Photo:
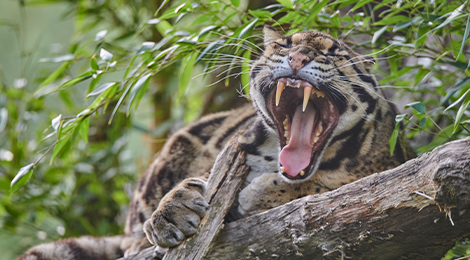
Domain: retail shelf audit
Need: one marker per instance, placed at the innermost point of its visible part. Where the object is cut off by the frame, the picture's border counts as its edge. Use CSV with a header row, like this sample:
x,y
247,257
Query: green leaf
x,y
313,13
100,35
56,122
465,35
209,48
76,80
392,20
94,81
185,73
459,115
393,138
130,66
235,3
458,100
401,25
245,77
441,138
83,130
141,84
106,55
286,3
101,89
161,6
61,144
453,16
360,4
53,76
66,57
118,105
378,33
21,177
94,64
247,29
418,106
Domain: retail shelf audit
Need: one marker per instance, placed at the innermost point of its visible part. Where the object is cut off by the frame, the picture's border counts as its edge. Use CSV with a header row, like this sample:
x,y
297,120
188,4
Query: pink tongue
x,y
296,155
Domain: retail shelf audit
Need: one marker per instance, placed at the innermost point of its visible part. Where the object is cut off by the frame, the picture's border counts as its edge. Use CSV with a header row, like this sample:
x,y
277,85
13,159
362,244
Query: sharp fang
x,y
307,92
282,169
280,88
302,173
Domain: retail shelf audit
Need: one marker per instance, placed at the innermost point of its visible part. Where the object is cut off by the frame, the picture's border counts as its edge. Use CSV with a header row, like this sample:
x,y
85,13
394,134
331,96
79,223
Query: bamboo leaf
x,y
458,100
247,29
76,80
418,106
286,3
61,144
393,138
465,35
101,89
392,20
360,4
106,55
83,130
185,73
235,3
21,177
314,12
245,76
94,64
459,115
53,76
378,33
141,84
56,122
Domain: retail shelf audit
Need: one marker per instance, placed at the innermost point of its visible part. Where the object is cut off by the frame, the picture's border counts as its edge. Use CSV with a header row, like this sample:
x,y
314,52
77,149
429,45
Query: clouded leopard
x,y
318,120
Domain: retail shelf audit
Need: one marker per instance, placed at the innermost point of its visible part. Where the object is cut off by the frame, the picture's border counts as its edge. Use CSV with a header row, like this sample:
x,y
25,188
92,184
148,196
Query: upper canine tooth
x,y
280,88
307,92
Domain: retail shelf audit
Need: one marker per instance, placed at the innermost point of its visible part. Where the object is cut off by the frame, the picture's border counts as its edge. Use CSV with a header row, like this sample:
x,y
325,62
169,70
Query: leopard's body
x,y
348,139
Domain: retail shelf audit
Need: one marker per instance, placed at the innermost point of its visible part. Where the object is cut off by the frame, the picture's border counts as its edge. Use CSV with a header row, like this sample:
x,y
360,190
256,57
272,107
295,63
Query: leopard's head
x,y
310,88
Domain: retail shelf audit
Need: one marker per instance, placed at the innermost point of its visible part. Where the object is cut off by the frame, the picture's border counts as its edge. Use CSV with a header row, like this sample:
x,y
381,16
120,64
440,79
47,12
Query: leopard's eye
x,y
281,45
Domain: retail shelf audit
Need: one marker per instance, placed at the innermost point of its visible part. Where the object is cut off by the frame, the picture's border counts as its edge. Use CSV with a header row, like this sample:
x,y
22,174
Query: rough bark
x,y
415,211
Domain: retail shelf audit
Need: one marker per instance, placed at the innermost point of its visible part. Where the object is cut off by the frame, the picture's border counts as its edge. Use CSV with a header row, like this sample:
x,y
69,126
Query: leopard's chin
x,y
305,118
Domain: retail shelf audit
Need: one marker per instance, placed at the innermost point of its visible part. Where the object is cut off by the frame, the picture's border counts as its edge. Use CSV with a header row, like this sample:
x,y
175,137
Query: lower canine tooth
x,y
282,169
302,173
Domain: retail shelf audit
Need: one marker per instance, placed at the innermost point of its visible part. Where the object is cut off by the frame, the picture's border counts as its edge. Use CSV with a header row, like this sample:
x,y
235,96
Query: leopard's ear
x,y
270,35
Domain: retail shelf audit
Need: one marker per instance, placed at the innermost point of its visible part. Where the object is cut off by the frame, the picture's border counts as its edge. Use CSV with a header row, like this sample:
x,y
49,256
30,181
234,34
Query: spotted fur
x,y
168,202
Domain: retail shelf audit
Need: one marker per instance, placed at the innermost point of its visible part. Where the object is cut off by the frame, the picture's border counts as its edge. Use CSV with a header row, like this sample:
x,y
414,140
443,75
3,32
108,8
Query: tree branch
x,y
386,215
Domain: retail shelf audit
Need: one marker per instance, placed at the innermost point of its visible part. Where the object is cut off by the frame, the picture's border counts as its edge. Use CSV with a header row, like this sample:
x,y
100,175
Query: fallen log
x,y
414,211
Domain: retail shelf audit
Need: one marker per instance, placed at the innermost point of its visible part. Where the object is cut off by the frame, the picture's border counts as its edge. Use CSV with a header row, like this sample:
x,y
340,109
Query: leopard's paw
x,y
178,215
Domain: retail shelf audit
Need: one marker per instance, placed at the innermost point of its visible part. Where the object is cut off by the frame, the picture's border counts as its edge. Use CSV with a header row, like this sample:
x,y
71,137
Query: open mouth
x,y
305,118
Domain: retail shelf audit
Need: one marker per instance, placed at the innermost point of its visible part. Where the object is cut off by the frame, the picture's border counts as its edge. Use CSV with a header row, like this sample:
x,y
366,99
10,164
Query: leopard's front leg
x,y
178,215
